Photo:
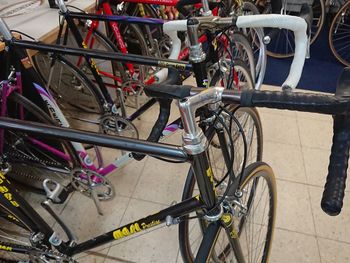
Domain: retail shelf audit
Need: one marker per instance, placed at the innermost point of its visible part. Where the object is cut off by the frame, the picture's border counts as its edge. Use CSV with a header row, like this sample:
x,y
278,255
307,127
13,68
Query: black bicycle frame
x,y
201,164
199,69
132,58
201,168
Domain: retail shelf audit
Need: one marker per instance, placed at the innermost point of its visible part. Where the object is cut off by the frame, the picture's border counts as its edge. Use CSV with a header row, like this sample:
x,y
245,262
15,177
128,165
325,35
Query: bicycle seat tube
x,y
195,144
62,6
206,9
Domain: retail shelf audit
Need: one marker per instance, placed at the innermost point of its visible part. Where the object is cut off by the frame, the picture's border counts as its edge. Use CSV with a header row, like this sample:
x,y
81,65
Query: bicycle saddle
x,y
168,89
164,91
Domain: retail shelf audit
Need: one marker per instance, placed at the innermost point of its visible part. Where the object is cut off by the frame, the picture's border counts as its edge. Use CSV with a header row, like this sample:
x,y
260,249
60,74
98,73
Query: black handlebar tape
x,y
159,125
333,194
326,104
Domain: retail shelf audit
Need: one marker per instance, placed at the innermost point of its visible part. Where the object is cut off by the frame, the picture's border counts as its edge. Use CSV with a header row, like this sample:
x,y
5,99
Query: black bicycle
x,y
88,154
224,203
225,218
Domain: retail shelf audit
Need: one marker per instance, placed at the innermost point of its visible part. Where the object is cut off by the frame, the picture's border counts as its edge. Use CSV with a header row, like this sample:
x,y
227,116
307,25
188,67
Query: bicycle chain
x,y
15,155
36,252
18,156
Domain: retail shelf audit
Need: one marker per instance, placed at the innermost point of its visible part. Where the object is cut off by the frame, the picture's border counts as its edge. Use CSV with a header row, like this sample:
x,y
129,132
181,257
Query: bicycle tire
x,y
274,48
242,50
152,34
10,232
338,37
254,174
223,78
30,163
132,86
245,82
252,35
73,91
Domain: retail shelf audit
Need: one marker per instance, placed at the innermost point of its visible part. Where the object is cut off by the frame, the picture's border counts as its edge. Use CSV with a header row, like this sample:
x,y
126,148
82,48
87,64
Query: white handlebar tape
x,y
294,23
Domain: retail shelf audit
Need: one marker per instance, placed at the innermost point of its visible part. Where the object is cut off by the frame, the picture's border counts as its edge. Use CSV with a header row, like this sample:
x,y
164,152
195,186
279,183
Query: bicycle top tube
x,y
155,2
122,143
119,19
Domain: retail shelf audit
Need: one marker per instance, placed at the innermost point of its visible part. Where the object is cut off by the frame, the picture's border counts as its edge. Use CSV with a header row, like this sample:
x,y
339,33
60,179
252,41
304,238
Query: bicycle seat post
x,y
197,55
206,9
62,6
4,30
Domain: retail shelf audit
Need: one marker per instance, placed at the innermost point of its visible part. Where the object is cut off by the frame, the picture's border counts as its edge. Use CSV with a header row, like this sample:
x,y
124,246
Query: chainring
x,y
119,126
80,181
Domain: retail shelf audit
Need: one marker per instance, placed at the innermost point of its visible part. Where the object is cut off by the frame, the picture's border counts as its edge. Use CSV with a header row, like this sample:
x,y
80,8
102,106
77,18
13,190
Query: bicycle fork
x,y
196,144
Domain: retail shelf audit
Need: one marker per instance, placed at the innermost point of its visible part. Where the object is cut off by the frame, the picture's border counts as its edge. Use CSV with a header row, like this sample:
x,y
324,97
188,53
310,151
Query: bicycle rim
x,y
239,49
282,40
256,226
17,234
339,35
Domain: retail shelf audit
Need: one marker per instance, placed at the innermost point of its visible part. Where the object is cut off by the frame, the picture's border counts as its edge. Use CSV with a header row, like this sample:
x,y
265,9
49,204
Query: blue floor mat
x,y
320,72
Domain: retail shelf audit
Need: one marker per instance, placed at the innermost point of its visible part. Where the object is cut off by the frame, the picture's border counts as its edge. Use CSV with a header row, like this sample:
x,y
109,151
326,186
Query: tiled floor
x,y
296,145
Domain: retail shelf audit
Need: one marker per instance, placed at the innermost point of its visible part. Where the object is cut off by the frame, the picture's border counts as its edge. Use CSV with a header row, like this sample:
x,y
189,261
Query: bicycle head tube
x,y
193,138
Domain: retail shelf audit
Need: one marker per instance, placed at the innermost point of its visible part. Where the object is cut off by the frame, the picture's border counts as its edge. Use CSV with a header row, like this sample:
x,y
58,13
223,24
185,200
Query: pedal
x,y
55,192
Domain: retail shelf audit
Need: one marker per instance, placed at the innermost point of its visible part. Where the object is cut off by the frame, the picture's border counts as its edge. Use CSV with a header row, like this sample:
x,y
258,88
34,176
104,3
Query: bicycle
x,y
71,75
225,214
204,8
98,169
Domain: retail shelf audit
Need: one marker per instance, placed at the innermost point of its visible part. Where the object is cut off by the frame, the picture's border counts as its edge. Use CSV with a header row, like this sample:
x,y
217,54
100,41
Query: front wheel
x,y
253,219
339,35
190,231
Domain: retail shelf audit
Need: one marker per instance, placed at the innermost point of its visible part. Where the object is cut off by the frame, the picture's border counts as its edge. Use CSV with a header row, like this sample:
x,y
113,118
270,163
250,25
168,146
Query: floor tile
x,y
334,251
138,209
293,208
84,219
294,247
161,182
286,161
332,227
279,128
313,116
278,112
35,201
315,133
159,244
125,179
154,246
93,256
316,165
